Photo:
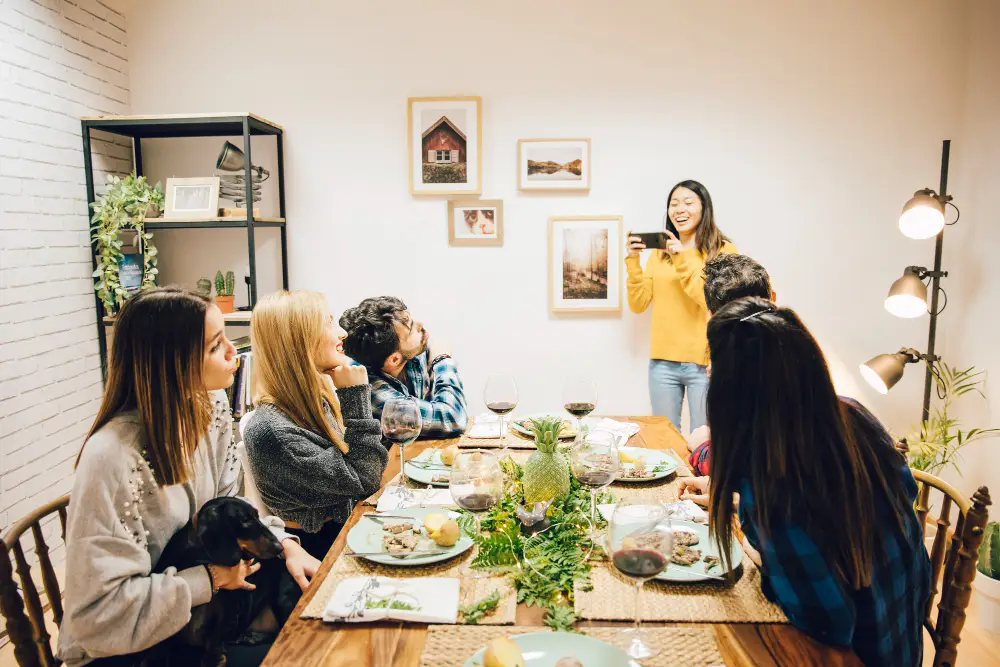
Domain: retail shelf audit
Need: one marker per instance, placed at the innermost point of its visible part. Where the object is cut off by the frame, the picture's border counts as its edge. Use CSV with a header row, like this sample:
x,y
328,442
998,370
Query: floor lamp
x,y
922,217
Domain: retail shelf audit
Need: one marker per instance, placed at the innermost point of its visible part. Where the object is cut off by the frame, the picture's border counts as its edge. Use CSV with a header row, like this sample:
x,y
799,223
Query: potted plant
x,y
988,579
224,288
204,287
124,206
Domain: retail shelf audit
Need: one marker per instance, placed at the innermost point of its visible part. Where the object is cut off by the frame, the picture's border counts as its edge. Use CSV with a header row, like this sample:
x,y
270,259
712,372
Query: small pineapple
x,y
546,472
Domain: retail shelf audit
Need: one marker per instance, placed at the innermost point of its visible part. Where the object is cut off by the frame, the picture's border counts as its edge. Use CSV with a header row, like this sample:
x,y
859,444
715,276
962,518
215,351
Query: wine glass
x,y
401,423
579,399
594,461
476,484
641,543
500,397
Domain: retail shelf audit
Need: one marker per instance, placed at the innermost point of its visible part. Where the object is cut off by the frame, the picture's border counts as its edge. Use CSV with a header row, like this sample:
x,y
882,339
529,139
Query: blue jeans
x,y
667,383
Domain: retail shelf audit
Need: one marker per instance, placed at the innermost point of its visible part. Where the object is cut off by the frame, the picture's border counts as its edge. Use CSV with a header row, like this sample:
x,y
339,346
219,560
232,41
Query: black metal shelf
x,y
194,125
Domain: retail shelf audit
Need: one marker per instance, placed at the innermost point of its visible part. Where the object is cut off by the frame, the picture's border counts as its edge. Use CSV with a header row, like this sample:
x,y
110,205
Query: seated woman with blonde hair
x,y
313,446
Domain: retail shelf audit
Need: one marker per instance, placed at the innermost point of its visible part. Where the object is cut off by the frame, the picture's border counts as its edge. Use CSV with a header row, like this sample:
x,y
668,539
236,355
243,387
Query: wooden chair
x,y
27,633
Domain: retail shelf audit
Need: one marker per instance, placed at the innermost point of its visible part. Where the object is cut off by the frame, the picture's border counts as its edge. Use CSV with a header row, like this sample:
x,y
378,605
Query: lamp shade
x,y
907,296
230,159
884,371
923,216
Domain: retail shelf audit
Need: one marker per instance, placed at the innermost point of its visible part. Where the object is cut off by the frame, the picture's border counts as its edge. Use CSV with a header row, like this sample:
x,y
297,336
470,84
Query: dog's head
x,y
230,530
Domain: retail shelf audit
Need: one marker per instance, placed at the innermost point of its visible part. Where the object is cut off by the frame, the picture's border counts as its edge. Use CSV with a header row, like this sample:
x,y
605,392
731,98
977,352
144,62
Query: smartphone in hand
x,y
654,240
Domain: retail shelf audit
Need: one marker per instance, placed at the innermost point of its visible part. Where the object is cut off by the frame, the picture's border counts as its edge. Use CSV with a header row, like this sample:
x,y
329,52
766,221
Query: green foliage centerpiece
x,y
545,566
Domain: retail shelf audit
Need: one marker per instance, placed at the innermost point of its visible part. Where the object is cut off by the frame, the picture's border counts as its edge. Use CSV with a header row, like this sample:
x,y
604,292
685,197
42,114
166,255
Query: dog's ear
x,y
215,532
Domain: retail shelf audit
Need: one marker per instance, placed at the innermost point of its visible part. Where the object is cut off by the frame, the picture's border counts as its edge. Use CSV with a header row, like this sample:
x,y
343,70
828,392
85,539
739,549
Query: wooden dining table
x,y
313,643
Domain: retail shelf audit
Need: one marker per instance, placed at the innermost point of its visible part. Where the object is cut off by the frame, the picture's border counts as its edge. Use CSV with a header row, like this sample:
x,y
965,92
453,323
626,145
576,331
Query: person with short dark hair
x,y
403,362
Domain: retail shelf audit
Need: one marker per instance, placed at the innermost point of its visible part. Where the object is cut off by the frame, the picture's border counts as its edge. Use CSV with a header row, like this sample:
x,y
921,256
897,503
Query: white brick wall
x,y
59,60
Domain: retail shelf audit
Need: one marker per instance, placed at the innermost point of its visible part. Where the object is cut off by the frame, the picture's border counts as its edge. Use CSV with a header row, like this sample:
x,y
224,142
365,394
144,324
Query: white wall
x,y
59,61
811,123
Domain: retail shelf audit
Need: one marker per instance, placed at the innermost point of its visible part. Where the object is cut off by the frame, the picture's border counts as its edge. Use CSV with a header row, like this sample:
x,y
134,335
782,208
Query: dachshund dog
x,y
224,532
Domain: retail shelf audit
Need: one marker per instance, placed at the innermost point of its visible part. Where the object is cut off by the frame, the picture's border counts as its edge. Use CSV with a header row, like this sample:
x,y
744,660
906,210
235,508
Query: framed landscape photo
x,y
445,142
585,271
192,197
553,165
475,222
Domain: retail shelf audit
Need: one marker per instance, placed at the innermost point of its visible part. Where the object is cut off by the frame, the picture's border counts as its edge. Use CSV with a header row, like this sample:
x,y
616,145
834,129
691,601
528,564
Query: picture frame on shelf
x,y
445,145
475,222
585,274
192,198
553,165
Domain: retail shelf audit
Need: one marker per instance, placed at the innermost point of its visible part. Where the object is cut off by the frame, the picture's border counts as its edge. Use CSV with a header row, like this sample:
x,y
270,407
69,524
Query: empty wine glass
x,y
579,399
641,543
594,461
401,423
500,397
476,484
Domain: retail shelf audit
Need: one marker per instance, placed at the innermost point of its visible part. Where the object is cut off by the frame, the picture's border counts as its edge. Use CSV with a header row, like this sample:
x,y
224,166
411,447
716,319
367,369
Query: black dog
x,y
224,532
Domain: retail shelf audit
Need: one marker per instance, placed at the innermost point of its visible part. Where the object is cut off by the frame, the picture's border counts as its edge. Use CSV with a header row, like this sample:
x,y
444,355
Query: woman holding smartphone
x,y
674,284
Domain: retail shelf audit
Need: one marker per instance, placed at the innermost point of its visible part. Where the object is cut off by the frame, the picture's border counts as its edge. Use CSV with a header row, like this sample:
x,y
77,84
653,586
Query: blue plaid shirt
x,y
882,623
439,395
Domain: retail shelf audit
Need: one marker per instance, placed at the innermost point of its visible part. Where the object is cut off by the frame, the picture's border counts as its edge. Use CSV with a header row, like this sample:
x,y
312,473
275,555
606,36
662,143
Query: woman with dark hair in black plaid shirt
x,y
824,496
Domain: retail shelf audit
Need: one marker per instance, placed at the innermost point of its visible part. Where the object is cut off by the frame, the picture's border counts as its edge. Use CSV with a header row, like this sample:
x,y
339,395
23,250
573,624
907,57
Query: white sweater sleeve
x,y
109,583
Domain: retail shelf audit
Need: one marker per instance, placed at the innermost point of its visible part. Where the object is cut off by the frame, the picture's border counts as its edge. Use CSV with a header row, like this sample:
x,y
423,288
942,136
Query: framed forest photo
x,y
445,140
585,271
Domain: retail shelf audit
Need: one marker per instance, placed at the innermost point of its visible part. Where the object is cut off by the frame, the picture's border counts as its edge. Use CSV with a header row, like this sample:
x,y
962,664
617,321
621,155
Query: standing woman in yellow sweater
x,y
674,283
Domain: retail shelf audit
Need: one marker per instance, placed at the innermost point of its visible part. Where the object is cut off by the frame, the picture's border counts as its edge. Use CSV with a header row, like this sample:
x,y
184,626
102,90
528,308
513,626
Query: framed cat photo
x,y
445,145
475,222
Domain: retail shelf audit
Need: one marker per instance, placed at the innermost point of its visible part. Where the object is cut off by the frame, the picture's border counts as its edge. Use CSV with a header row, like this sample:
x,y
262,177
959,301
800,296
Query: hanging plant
x,y
124,206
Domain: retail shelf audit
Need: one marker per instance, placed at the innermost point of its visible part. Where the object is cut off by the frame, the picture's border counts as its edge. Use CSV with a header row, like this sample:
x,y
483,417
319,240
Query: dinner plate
x,y
544,649
658,462
366,536
429,457
520,425
697,571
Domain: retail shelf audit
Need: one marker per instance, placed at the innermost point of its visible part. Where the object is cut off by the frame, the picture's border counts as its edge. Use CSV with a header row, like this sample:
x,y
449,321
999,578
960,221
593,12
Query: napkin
x,y
435,599
624,430
485,426
398,497
681,510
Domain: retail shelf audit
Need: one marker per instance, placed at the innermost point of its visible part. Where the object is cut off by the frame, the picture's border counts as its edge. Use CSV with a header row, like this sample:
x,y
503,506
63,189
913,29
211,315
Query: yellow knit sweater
x,y
676,288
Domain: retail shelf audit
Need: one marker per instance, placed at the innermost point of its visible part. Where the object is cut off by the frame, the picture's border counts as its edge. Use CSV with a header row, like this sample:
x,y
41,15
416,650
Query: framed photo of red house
x,y
445,142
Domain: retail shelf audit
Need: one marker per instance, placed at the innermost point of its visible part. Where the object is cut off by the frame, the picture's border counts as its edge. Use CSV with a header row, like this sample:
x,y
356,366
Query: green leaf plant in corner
x,y
936,443
122,207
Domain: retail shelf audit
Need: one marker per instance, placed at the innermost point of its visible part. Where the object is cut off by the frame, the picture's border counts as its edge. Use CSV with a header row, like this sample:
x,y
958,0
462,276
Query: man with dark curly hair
x,y
402,362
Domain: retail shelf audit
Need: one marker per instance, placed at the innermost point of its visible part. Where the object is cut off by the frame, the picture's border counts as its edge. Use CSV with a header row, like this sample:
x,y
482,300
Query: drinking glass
x,y
476,484
401,423
579,399
500,397
641,542
594,461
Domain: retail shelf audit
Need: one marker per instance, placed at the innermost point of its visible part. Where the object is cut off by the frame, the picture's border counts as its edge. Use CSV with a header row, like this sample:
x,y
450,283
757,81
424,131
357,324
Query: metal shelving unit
x,y
138,128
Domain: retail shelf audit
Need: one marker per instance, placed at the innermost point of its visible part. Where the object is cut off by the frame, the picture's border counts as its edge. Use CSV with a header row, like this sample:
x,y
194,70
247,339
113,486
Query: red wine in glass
x,y
580,410
401,435
596,478
639,563
476,502
501,407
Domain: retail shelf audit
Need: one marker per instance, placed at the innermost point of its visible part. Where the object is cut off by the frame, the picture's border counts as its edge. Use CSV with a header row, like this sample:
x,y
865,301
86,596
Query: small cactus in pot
x,y
204,287
224,287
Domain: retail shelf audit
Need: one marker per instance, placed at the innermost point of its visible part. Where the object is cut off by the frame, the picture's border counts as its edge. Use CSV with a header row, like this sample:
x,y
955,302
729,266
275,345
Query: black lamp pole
x,y
936,282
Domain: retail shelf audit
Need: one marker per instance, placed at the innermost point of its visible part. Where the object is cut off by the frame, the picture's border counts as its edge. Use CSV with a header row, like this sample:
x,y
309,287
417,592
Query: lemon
x,y
503,652
625,457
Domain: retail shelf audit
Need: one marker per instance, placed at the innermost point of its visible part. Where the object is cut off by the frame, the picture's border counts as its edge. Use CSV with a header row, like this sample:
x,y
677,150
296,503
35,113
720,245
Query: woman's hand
x,y
635,246
235,577
348,376
674,246
301,565
695,489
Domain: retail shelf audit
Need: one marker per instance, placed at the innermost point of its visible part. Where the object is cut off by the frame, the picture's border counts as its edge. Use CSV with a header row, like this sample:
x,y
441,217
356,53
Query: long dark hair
x,y
157,351
808,457
707,238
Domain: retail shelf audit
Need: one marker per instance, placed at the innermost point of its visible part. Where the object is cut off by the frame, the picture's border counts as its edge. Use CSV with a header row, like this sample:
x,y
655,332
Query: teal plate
x,y
697,571
654,458
429,457
544,649
366,535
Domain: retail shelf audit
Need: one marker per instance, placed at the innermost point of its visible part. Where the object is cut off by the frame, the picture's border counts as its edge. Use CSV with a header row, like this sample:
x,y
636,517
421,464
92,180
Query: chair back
x,y
250,490
32,643
953,553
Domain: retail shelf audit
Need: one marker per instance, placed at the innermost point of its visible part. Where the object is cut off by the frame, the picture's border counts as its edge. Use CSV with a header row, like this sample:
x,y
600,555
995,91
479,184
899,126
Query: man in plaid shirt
x,y
402,363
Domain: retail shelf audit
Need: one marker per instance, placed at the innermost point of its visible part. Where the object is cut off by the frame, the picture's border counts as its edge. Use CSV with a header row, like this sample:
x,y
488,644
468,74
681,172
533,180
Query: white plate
x,y
426,475
568,432
697,571
544,649
366,535
654,458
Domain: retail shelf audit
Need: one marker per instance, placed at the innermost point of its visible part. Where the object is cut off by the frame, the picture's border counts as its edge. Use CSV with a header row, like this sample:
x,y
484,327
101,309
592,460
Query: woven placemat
x,y
470,590
613,597
451,645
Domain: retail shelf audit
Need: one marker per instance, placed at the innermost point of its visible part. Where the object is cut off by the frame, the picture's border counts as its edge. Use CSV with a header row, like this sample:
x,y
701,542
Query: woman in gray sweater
x,y
314,448
160,447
